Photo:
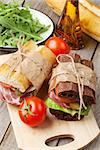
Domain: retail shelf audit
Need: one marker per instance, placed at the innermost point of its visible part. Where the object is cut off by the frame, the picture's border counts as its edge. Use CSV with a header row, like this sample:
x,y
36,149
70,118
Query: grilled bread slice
x,y
15,79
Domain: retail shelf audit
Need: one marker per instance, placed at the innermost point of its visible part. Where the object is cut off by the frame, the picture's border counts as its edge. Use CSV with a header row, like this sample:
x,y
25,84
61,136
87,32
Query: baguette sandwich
x,y
24,72
72,88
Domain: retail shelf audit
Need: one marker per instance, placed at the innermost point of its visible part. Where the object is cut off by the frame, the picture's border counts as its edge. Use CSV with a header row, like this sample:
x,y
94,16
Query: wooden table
x,y
91,51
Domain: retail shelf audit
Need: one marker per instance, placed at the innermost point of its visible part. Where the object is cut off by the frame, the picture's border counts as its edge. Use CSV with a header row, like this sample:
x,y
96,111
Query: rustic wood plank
x,y
96,109
9,141
89,48
4,120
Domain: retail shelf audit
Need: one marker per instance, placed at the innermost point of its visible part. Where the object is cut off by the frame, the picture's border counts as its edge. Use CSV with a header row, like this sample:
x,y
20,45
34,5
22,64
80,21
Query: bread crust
x,y
64,116
19,77
14,78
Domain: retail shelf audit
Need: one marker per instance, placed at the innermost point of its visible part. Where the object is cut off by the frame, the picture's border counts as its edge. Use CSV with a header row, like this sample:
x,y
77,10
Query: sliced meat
x,y
77,59
64,58
64,102
8,95
87,63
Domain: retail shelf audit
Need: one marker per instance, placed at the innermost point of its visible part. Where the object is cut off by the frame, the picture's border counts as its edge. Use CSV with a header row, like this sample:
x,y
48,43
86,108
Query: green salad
x,y
16,22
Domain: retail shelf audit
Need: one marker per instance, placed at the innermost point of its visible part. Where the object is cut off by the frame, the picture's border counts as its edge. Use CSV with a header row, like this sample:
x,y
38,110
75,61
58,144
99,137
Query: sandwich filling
x,y
68,110
12,95
8,94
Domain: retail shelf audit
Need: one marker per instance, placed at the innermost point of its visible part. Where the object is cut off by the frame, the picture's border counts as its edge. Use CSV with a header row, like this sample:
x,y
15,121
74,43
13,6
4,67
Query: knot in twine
x,y
79,81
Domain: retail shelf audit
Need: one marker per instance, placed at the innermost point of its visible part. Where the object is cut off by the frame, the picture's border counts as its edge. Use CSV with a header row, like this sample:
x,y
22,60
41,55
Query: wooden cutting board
x,y
83,132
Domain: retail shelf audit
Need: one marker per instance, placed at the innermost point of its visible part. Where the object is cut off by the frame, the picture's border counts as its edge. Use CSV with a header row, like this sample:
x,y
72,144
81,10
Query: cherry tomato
x,y
32,111
57,45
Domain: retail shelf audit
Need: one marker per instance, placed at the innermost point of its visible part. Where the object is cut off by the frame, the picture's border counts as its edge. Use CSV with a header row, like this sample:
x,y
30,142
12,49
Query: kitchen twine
x,y
79,81
19,56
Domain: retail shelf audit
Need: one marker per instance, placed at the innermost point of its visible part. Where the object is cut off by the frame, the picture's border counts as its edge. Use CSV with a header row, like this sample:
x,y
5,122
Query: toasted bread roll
x,y
31,66
15,79
38,68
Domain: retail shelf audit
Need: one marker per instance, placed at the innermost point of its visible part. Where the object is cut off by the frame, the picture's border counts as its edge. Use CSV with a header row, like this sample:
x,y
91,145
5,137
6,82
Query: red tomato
x,y
57,45
32,111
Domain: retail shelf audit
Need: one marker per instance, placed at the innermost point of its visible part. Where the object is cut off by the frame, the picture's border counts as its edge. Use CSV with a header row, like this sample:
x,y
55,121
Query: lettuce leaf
x,y
51,104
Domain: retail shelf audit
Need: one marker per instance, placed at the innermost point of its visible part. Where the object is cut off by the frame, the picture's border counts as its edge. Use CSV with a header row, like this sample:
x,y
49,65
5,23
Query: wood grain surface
x,y
4,120
92,50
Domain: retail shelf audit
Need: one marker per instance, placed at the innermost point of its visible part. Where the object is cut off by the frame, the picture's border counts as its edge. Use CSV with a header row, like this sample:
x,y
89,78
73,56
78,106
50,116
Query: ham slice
x,y
64,102
8,95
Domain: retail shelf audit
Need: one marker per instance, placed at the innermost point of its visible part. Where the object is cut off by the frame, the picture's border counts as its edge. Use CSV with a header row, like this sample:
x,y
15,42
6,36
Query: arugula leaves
x,y
15,22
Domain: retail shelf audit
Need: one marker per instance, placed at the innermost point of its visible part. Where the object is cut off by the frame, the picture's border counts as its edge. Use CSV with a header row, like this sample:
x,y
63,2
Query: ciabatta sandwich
x,y
24,72
72,88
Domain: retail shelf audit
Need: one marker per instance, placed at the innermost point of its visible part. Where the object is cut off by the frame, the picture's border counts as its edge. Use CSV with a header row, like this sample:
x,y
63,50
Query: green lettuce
x,y
51,104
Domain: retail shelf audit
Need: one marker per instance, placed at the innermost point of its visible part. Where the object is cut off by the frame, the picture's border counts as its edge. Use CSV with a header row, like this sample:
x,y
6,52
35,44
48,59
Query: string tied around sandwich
x,y
79,81
20,55
20,61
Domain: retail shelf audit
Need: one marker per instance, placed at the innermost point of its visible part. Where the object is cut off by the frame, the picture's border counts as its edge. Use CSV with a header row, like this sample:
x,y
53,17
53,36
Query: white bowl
x,y
44,19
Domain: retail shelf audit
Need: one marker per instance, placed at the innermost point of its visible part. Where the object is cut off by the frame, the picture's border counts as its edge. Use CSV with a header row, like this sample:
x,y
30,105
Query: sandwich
x,y
24,72
71,88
